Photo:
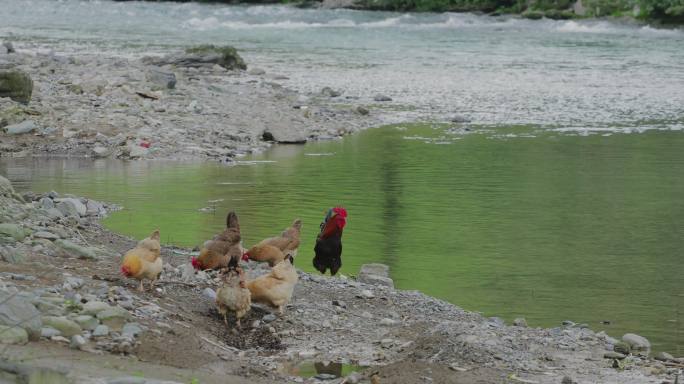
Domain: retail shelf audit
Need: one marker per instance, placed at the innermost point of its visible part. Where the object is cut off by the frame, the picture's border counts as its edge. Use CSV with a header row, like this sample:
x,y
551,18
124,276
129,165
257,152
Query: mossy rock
x,y
622,347
16,85
228,56
533,14
556,14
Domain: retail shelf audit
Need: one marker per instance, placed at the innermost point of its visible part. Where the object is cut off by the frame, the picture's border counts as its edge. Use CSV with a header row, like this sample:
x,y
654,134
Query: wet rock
x,y
26,126
17,310
361,110
13,335
75,250
100,331
329,92
636,342
13,230
165,79
381,97
49,332
65,326
77,342
567,380
87,322
17,85
520,322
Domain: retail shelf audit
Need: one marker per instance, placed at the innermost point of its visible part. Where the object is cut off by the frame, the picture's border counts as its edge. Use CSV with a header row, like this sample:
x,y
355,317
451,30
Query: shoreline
x,y
111,107
67,267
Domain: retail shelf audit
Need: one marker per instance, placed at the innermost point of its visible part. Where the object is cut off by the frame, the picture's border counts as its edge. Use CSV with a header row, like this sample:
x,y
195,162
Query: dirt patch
x,y
412,371
245,337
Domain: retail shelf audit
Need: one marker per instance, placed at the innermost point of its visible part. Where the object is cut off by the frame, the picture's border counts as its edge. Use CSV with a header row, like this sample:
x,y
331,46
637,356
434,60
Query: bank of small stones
x,y
362,321
198,104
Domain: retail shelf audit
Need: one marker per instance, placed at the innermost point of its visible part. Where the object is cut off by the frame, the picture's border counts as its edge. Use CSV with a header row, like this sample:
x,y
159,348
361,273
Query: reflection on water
x,y
550,227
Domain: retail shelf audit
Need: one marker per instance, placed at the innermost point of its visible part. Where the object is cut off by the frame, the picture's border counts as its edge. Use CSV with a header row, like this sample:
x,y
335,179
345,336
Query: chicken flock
x,y
224,253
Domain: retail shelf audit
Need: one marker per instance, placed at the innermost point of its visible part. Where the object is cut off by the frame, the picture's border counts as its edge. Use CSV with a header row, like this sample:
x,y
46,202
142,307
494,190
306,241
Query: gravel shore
x,y
60,275
107,106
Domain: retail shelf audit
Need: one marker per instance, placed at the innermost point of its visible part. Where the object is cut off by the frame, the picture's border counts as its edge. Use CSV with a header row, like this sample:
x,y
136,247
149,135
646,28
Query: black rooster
x,y
329,241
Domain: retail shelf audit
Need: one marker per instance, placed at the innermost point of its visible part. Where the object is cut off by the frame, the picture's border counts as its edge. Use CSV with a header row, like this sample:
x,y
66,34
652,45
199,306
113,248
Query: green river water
x,y
509,222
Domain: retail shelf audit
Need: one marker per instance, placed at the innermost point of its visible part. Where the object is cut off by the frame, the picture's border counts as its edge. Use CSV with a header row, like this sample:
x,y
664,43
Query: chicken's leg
x,y
141,289
225,318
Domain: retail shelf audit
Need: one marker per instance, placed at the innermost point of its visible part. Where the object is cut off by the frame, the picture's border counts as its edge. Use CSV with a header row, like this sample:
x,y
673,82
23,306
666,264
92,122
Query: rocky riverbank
x,y
61,295
198,104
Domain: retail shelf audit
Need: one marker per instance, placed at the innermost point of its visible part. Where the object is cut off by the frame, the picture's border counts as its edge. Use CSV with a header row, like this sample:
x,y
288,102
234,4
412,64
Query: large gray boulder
x,y
203,56
17,311
376,274
17,85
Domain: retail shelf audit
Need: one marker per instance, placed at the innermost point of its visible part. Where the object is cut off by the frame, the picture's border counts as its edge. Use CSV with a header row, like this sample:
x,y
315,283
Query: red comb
x,y
340,211
196,263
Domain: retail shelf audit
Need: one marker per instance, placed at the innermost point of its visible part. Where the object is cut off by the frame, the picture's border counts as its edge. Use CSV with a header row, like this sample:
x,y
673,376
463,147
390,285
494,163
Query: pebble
x,y
60,339
664,356
381,97
49,332
101,330
131,330
77,342
366,294
268,318
209,293
614,355
388,322
636,342
307,354
520,322
45,235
